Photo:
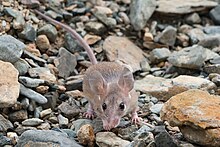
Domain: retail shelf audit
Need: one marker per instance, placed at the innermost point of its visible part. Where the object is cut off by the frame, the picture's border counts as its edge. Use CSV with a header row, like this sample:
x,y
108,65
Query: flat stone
x,y
69,110
163,89
212,30
32,122
30,82
122,49
190,57
18,116
9,86
65,63
159,54
95,27
5,124
11,49
22,66
28,33
144,7
31,94
43,73
46,138
196,35
110,139
183,7
196,113
214,14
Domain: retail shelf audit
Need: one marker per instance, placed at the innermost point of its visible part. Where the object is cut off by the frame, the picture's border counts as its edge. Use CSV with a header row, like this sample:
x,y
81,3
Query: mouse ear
x,y
97,83
126,81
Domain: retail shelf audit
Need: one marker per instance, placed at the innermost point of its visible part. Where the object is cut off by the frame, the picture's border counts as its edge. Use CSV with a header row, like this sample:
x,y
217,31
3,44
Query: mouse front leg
x,y
134,117
90,112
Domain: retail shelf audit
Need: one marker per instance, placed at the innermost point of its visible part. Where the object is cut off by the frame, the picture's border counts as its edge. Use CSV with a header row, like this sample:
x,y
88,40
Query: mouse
x,y
108,86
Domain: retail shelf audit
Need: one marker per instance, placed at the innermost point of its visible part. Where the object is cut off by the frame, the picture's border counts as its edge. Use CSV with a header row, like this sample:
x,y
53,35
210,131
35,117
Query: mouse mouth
x,y
112,123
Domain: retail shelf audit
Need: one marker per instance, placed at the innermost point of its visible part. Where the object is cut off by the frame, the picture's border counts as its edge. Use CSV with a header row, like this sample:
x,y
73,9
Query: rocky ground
x,y
173,47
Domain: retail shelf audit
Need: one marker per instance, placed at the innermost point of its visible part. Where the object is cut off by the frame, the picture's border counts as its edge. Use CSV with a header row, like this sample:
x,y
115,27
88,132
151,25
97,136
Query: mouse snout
x,y
108,124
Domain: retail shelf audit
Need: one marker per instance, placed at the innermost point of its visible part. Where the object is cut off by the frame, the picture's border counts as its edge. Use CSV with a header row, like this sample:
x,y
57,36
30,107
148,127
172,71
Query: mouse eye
x,y
104,106
122,106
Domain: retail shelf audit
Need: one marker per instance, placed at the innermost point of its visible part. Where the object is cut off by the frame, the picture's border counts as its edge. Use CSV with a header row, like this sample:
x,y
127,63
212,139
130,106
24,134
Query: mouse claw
x,y
89,114
135,119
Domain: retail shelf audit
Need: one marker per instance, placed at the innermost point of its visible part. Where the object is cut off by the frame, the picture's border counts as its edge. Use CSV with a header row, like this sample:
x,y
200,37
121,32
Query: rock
x,y
156,108
29,93
92,39
159,54
48,30
13,137
74,83
32,122
39,60
167,36
18,116
11,49
5,124
9,86
19,22
28,33
22,66
4,141
86,135
54,15
95,27
43,73
30,82
212,30
77,124
143,139
196,35
163,89
193,18
196,113
11,12
214,14
144,7
65,63
145,66
68,110
63,121
210,41
103,10
72,44
108,21
164,139
122,49
182,40
45,112
42,43
190,57
124,18
110,139
46,138
42,89
173,7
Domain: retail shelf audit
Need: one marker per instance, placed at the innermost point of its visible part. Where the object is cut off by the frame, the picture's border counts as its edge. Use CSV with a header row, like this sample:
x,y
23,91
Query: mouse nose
x,y
112,123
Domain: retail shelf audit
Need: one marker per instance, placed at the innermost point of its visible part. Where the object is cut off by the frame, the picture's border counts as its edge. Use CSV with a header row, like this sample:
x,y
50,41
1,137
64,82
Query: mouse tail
x,y
73,33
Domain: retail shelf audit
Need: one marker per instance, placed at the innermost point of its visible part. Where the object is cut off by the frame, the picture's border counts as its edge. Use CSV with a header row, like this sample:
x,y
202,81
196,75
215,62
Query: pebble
x,y
95,27
156,108
32,122
86,135
214,14
32,95
68,110
45,112
167,36
22,66
5,124
18,116
193,18
42,43
48,30
30,82
28,33
159,54
63,121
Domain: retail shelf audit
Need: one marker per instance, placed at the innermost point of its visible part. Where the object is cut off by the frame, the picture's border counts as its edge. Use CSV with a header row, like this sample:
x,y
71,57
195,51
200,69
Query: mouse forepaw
x,y
89,114
135,119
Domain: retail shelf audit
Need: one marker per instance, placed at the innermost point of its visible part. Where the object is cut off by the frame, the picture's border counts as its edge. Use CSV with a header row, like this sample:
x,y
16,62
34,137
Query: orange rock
x,y
86,135
197,114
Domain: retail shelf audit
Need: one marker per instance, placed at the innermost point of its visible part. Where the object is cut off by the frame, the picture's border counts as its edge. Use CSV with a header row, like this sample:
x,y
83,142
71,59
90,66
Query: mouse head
x,y
113,97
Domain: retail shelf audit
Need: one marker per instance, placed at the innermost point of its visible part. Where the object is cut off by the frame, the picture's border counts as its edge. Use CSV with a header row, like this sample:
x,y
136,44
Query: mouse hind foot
x,y
135,119
89,113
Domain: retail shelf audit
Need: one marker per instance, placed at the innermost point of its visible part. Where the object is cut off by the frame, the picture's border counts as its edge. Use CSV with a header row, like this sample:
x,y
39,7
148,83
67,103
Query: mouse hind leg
x,y
90,112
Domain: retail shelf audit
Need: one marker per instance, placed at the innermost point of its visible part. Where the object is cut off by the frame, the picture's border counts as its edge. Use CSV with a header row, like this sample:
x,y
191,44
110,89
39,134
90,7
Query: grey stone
x,y
80,122
193,18
68,110
63,121
43,73
28,33
9,86
212,68
210,41
54,15
164,139
196,35
5,124
95,27
65,63
29,93
4,141
159,54
19,22
11,12
156,108
40,61
18,116
190,57
214,14
32,122
167,36
30,82
145,66
109,22
11,49
144,139
140,12
212,30
48,30
46,138
71,44
22,66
